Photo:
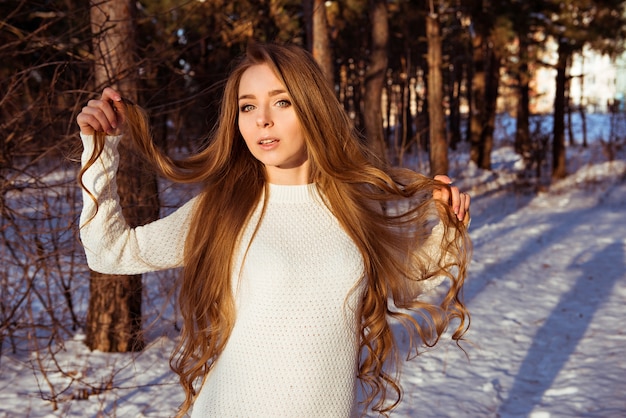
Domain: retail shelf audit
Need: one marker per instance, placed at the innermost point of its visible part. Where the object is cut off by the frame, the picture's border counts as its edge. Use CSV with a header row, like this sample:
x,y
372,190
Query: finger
x,y
467,219
463,206
102,116
115,99
455,201
86,123
468,200
93,119
442,194
108,111
443,178
111,95
98,116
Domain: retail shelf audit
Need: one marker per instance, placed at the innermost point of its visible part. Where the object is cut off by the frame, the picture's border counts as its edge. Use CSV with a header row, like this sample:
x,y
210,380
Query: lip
x,y
268,143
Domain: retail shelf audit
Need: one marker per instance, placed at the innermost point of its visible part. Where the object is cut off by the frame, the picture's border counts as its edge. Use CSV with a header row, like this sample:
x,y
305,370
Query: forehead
x,y
259,78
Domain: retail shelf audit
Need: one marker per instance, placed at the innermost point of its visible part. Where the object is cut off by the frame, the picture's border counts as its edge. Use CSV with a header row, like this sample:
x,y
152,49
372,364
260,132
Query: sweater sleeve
x,y
111,246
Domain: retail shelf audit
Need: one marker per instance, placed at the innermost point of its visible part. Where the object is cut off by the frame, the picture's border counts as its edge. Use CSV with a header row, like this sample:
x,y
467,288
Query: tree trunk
x,y
583,121
407,117
559,169
581,101
456,80
470,102
321,42
568,113
491,101
479,88
437,128
522,129
114,314
375,78
307,17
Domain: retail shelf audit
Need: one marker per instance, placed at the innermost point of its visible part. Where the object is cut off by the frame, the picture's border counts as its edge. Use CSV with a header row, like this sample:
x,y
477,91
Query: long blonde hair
x,y
387,212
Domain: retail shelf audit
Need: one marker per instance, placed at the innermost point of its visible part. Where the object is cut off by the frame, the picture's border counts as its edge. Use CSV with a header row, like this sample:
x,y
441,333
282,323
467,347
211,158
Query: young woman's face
x,y
270,126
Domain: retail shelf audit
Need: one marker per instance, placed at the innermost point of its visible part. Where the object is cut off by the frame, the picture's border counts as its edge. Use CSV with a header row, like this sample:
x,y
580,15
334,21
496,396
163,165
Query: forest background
x,y
418,78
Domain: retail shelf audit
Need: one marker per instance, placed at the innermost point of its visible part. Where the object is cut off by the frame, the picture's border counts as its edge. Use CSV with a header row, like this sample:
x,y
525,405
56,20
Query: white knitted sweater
x,y
293,351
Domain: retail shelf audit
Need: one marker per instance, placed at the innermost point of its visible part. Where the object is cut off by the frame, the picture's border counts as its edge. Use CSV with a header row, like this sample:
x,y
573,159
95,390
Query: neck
x,y
288,176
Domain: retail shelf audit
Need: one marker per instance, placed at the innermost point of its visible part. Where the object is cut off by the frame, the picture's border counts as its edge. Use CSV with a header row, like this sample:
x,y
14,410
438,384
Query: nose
x,y
264,119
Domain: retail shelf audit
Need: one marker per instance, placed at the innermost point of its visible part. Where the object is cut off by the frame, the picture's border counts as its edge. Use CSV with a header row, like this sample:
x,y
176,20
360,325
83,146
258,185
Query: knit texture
x,y
293,351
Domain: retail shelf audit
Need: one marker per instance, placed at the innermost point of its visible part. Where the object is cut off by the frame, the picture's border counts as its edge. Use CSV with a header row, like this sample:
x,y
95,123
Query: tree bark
x,y
307,15
491,100
583,121
407,117
568,113
114,313
437,128
375,78
456,80
522,129
559,169
321,41
581,100
114,316
477,118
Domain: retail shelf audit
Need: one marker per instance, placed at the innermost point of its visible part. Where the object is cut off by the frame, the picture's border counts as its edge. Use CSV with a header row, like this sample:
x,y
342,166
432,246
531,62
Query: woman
x,y
295,255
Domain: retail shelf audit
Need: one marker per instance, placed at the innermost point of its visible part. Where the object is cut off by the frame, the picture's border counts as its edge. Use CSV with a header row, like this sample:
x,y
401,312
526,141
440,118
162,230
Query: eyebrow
x,y
271,93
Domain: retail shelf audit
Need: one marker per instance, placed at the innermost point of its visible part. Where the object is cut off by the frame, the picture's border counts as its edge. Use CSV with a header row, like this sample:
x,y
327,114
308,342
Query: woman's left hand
x,y
459,201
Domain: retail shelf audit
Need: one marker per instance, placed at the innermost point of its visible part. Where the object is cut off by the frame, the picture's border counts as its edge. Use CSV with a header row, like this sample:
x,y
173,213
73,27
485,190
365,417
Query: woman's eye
x,y
246,108
283,103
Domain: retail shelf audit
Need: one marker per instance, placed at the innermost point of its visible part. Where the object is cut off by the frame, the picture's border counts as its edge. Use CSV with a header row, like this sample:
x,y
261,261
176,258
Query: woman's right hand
x,y
103,115
459,201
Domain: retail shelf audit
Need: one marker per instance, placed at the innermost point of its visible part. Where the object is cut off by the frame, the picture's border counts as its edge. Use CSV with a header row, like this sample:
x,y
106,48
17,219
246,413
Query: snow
x,y
546,291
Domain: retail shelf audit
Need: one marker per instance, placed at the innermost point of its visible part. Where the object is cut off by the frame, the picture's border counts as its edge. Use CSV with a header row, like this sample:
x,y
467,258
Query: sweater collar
x,y
294,194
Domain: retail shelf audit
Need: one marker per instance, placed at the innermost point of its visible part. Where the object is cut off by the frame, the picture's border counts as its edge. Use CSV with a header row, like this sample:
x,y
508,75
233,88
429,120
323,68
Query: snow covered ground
x,y
546,290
